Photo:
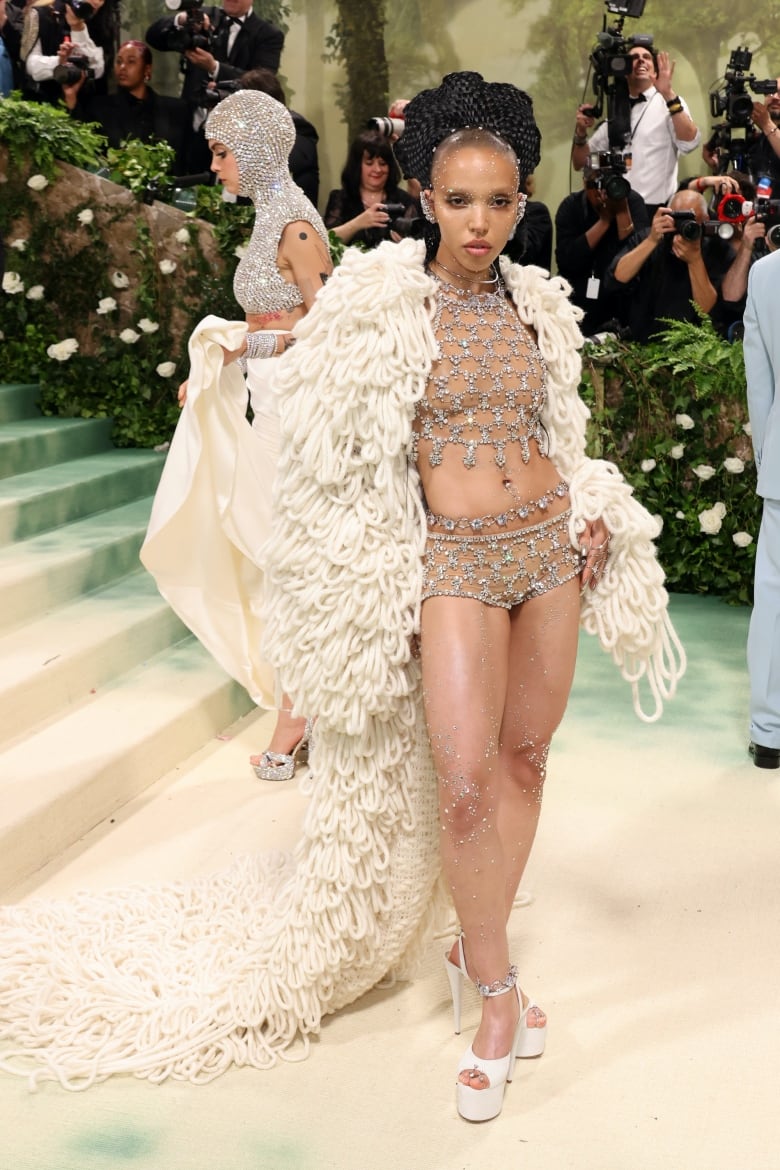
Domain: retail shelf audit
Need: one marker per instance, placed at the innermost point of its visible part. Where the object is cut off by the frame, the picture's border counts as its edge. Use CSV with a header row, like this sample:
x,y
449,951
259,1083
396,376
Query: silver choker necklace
x,y
492,281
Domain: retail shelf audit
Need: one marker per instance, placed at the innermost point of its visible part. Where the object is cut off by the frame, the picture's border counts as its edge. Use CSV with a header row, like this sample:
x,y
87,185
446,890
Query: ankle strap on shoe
x,y
498,986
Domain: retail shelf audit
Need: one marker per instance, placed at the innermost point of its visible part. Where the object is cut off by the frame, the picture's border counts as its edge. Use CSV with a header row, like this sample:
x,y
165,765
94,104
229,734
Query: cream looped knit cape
x,y
185,980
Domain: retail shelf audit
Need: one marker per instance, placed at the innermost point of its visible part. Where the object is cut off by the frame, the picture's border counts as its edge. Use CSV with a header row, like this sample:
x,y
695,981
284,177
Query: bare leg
x,y
287,732
495,690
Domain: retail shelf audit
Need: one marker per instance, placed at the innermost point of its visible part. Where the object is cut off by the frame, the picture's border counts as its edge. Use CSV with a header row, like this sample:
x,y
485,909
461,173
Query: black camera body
x,y
612,64
732,100
214,94
400,223
606,172
687,225
193,34
72,70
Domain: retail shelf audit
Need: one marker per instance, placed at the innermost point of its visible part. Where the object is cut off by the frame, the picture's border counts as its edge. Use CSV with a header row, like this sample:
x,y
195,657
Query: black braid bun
x,y
466,100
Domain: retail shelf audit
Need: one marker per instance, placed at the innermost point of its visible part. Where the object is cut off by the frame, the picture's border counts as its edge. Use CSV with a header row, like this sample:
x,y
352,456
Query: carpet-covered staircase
x,y
102,690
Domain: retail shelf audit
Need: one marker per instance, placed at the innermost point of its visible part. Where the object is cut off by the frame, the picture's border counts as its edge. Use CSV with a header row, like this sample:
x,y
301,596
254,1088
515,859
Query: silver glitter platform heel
x,y
281,765
532,1040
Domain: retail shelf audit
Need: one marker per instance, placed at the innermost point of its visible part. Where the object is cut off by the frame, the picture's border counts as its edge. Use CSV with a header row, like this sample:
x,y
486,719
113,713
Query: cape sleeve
x,y
344,566
628,612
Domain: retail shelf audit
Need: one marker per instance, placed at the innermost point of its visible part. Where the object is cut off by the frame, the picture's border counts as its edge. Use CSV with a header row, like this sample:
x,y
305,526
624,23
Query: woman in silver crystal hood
x,y
286,263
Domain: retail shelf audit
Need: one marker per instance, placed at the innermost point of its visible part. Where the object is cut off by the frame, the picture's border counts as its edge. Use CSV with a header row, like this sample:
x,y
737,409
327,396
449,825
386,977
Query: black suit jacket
x,y
258,44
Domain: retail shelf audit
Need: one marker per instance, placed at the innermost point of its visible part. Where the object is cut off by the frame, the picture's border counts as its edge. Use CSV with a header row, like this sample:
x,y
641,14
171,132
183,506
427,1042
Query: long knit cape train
x,y
184,980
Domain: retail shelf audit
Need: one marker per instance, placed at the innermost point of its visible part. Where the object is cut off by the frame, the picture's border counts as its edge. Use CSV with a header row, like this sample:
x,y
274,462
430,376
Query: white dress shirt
x,y
654,147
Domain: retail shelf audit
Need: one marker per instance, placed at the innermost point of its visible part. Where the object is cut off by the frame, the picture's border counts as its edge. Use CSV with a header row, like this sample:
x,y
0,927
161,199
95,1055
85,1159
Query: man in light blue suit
x,y
762,366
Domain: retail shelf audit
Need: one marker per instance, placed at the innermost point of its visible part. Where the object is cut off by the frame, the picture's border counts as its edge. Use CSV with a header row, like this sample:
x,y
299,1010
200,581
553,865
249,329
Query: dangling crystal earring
x,y
522,199
427,210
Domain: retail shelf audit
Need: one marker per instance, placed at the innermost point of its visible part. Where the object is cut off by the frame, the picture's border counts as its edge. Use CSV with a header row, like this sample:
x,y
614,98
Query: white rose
x,y
719,509
63,349
704,471
37,182
119,280
659,520
734,465
129,336
167,267
35,293
147,326
680,515
677,451
710,522
2,335
647,464
685,421
12,283
105,305
182,236
746,427
166,369
19,244
86,216
240,251
742,539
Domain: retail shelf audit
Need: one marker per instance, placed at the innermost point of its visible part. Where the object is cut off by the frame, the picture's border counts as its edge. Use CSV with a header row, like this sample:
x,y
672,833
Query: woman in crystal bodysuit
x,y
286,263
502,579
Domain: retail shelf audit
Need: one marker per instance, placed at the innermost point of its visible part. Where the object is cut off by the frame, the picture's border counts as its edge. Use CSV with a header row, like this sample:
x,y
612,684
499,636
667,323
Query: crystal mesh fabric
x,y
260,133
487,390
501,569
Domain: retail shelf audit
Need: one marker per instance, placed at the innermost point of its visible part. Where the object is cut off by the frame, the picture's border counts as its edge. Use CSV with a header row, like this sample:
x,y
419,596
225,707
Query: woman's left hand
x,y
232,355
594,543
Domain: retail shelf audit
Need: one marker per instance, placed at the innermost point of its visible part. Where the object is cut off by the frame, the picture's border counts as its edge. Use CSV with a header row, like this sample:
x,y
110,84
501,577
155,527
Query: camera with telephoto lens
x,y
612,64
731,99
606,172
193,33
390,127
72,70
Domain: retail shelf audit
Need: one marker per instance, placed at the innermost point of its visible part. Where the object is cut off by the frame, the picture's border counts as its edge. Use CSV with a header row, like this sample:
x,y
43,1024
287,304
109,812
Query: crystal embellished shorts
x,y
502,568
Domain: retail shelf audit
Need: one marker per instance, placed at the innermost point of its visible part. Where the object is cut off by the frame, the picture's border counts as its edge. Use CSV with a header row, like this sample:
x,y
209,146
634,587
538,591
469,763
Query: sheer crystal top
x,y
478,439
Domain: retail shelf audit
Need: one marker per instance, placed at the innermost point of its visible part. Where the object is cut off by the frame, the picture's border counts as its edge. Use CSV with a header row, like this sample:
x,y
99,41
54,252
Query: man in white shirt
x,y
661,129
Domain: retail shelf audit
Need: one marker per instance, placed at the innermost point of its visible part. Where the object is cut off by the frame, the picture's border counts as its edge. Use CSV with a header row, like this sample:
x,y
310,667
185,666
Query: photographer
x,y
54,33
357,211
135,110
217,45
674,267
661,128
590,229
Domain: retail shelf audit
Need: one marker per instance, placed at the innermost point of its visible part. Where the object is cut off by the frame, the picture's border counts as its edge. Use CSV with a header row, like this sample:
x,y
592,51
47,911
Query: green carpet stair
x,y
102,689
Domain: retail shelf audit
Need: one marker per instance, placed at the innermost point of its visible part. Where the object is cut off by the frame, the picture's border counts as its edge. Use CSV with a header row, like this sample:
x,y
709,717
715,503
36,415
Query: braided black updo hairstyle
x,y
465,101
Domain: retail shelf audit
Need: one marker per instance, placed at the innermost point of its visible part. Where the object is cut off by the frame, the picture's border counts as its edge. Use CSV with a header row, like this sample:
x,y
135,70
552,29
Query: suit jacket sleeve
x,y
258,45
758,366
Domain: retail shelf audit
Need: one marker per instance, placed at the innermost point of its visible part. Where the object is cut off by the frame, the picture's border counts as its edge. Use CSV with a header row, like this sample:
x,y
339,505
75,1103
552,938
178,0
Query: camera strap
x,y
645,107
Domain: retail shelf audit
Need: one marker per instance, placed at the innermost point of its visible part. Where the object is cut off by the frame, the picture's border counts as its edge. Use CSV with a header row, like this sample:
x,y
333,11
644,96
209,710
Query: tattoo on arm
x,y
303,235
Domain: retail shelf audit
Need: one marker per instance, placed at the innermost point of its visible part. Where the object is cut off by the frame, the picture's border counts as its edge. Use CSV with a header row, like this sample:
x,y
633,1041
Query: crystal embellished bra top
x,y
258,285
487,388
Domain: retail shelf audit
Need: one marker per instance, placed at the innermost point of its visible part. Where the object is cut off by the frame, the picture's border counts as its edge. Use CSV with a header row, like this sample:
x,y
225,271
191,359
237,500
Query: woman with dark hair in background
x,y
356,212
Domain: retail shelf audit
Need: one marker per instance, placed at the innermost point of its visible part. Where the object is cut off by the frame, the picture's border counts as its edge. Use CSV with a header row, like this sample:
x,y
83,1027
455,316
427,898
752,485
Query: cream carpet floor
x,y
651,940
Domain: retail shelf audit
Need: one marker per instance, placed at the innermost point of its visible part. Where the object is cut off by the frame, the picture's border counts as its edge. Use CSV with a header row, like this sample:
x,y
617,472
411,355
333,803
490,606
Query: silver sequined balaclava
x,y
260,133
